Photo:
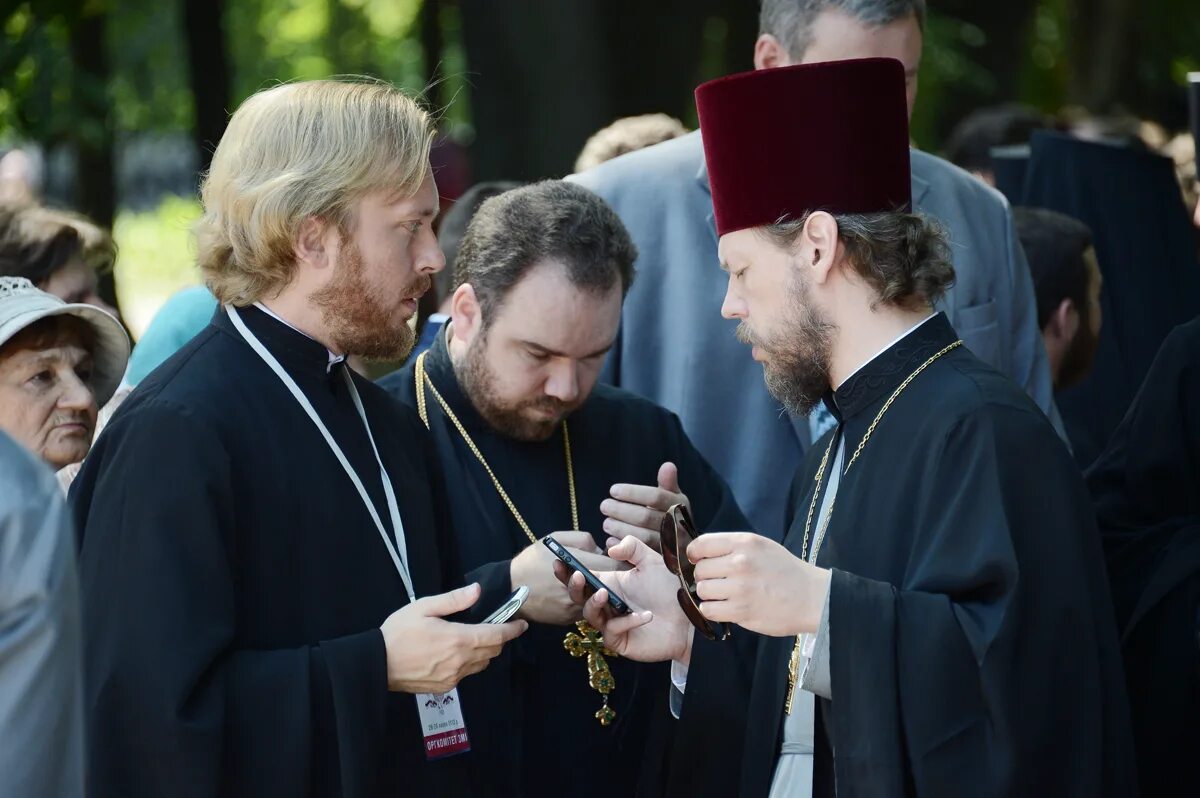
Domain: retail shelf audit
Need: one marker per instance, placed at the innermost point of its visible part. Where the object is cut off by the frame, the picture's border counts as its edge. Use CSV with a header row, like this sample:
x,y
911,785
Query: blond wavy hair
x,y
295,151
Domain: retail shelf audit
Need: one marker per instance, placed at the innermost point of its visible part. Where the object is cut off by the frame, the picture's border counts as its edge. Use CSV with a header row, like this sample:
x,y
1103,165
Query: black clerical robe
x,y
233,581
972,643
1146,250
534,702
1146,488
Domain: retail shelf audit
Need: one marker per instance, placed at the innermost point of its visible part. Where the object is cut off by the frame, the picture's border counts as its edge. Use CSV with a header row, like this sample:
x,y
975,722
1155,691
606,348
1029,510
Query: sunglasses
x,y
676,532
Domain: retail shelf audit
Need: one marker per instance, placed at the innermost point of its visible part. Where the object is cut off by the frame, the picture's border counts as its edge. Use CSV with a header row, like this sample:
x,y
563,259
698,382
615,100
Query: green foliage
x,y
1046,74
156,256
282,40
149,88
946,61
268,40
35,75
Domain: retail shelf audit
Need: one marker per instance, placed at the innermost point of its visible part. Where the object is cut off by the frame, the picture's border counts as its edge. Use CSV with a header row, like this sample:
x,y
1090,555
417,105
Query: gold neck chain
x,y
424,382
588,642
794,663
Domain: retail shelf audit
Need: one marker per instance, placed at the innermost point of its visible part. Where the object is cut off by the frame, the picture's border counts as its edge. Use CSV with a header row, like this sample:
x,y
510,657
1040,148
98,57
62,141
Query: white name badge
x,y
442,724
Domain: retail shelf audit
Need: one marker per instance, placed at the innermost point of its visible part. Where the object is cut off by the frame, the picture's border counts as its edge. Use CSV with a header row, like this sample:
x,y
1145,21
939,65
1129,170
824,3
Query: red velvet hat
x,y
783,142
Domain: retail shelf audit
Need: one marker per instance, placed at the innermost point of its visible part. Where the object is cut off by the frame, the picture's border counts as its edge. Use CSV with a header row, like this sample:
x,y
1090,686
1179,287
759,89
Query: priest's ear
x,y
817,247
315,240
1063,324
770,53
466,313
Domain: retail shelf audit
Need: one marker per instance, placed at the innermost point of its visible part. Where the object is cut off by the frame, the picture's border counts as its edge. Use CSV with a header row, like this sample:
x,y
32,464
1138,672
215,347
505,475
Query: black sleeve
x,y
173,707
493,578
964,675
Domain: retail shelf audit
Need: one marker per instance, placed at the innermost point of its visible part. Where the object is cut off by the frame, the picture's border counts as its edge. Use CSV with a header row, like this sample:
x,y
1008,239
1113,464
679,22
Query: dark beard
x,y
1077,360
797,373
478,383
358,322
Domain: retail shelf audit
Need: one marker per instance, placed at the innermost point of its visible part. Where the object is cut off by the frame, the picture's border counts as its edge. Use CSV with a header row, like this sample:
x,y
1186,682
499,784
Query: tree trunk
x,y
433,45
545,76
1005,27
1103,43
93,137
208,73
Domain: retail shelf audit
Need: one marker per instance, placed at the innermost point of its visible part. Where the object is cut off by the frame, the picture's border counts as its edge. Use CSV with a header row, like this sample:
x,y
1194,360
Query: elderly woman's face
x,y
46,398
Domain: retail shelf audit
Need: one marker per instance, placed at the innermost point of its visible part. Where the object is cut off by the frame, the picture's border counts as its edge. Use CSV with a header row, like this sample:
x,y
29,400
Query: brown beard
x,y
1077,360
479,384
797,371
358,321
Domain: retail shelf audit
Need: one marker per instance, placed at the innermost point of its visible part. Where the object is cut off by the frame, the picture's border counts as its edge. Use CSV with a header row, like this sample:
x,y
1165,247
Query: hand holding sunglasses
x,y
677,533
750,580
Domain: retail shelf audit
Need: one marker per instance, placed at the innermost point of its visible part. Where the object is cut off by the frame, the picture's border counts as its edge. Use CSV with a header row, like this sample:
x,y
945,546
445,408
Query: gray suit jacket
x,y
41,683
675,348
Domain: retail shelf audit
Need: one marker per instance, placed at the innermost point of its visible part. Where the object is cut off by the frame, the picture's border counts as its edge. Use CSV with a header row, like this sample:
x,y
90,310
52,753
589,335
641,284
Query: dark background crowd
x,y
122,102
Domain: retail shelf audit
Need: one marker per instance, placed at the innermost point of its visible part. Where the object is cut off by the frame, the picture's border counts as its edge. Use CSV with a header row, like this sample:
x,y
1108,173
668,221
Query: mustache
x,y
419,286
550,404
746,335
58,419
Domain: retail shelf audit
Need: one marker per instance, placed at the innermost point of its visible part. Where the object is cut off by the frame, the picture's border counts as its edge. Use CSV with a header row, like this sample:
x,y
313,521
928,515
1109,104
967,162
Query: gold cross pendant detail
x,y
793,676
588,643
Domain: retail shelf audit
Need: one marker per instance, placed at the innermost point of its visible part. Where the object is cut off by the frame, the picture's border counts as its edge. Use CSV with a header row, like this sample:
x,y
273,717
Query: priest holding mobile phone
x,y
530,444
937,619
263,561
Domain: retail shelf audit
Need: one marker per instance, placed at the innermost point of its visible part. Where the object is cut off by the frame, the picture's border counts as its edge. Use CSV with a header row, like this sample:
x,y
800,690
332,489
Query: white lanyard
x,y
399,558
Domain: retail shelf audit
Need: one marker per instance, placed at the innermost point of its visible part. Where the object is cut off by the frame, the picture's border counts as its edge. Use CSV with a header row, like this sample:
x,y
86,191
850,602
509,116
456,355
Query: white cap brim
x,y
111,354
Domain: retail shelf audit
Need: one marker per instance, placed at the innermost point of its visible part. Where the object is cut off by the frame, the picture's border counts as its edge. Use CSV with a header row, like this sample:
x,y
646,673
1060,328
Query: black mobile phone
x,y
560,551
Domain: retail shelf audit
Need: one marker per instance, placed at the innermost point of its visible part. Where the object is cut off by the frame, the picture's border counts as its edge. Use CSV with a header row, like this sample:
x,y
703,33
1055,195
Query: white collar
x,y
898,339
334,357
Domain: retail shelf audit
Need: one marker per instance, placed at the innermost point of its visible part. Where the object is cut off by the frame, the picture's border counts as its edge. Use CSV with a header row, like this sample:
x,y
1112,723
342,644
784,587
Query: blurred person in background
x,y
41,688
628,134
1146,490
970,143
58,251
59,363
1066,277
178,321
450,234
21,177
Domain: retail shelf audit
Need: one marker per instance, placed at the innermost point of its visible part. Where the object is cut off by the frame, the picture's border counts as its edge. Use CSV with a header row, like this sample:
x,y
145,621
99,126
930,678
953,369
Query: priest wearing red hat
x,y
937,619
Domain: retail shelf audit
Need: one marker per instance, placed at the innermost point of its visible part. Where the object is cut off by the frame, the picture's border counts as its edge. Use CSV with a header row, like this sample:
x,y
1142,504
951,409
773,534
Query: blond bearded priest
x,y
937,620
263,555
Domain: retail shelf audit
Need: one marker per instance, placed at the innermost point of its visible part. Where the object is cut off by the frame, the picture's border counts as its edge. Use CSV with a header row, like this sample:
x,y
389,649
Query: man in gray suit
x,y
675,348
41,691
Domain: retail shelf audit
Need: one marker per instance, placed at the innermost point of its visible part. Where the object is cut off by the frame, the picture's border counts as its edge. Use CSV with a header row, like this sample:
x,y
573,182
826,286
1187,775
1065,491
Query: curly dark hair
x,y
553,219
903,256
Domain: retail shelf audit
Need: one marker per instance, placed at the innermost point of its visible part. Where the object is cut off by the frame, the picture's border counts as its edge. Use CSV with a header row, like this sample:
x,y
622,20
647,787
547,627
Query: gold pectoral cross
x,y
793,676
589,643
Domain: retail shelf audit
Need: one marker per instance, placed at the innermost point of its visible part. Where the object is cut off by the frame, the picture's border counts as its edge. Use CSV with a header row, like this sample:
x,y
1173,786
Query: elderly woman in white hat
x,y
59,363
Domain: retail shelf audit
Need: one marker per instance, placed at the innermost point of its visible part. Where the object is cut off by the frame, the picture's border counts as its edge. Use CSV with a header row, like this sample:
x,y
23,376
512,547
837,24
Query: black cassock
x,y
531,713
1146,249
233,581
972,643
1146,487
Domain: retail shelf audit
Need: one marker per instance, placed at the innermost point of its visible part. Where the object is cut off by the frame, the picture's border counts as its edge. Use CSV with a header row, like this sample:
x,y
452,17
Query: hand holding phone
x,y
617,603
510,607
